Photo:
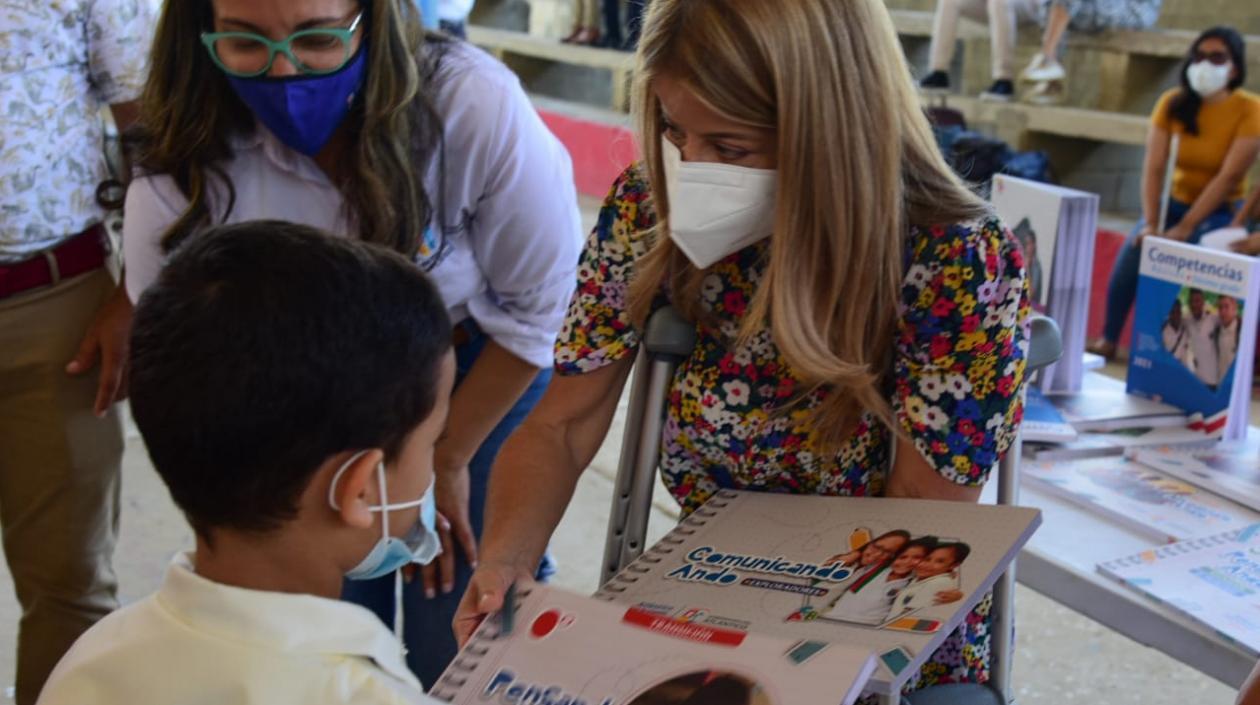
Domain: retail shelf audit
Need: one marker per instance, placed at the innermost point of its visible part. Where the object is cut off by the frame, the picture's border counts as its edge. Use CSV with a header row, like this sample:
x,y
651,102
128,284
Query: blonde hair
x,y
857,165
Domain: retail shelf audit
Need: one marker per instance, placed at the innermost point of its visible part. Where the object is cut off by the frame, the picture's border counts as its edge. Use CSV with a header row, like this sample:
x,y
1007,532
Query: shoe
x,y
573,36
1001,91
935,81
1043,69
1103,348
1046,93
589,36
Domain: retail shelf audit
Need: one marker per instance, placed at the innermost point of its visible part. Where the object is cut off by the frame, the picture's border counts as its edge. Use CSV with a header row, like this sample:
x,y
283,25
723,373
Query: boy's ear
x,y
357,489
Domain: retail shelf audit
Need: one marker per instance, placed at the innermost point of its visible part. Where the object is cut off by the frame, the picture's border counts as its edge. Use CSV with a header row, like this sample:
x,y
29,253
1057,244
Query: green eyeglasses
x,y
312,51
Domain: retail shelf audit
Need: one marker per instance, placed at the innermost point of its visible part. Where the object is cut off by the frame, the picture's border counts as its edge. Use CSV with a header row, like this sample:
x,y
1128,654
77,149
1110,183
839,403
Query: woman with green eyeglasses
x,y
348,116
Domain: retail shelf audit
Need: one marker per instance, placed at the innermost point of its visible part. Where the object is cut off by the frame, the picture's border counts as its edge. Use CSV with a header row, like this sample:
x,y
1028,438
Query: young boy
x,y
290,387
935,580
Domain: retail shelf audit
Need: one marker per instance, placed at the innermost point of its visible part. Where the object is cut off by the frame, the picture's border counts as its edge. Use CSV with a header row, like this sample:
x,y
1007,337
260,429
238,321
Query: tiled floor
x,y
1061,659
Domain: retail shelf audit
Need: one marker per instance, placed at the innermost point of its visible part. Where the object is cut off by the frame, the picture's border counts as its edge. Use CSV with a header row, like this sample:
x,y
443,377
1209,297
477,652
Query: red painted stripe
x,y
600,152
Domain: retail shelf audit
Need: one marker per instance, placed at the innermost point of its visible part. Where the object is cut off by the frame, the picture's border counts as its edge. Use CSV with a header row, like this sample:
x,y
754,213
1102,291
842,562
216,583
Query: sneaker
x,y
1046,93
1043,69
935,81
1001,91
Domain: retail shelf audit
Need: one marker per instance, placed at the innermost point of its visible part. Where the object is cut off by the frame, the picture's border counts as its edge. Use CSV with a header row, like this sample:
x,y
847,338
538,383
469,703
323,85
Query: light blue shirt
x,y
513,233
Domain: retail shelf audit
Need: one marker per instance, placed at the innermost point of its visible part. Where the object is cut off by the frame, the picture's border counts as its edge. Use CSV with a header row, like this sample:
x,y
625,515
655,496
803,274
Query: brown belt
x,y
82,253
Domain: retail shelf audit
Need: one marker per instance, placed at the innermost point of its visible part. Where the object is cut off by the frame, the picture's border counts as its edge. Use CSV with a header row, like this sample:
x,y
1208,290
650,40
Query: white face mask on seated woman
x,y
716,210
1208,79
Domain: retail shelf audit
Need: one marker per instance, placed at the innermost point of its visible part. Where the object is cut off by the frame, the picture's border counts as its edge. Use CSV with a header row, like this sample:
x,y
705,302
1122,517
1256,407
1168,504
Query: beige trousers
x,y
1003,17
59,474
586,13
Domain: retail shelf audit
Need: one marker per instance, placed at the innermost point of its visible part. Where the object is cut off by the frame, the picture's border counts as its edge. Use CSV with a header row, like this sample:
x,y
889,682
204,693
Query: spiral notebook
x,y
1214,580
570,650
1162,508
892,575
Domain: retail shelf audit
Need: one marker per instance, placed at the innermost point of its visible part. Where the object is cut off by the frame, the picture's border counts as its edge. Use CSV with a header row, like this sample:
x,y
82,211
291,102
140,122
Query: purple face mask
x,y
303,111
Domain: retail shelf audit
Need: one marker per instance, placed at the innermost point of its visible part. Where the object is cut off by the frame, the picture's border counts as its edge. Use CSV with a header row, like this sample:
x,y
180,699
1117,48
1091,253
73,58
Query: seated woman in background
x,y
1219,129
861,317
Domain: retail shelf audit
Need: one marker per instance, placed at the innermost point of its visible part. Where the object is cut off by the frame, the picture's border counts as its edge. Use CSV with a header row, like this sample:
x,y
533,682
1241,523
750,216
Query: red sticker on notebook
x,y
545,623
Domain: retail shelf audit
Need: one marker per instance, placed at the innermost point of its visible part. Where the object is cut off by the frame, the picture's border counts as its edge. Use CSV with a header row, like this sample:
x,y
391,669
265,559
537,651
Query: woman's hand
x,y
1178,232
1145,232
486,591
107,340
1249,245
450,493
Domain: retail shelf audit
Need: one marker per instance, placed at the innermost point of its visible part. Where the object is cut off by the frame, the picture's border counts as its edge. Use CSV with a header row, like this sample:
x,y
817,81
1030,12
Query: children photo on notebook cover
x,y
923,572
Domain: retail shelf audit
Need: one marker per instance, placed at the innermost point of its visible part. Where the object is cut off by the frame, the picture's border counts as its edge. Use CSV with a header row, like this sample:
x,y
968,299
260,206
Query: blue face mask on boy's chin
x,y
419,545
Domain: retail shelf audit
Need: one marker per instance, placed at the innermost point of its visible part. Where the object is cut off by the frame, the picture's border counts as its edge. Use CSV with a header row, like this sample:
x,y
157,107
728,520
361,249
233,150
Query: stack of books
x,y
1056,227
1108,421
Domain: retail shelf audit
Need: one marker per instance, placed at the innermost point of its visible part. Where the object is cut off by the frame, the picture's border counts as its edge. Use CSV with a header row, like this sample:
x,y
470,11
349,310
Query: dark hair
x,y
960,549
189,112
1192,291
1184,107
927,543
263,349
895,532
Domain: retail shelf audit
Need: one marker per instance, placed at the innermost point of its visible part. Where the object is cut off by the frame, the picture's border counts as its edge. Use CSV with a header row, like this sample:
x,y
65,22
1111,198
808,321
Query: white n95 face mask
x,y
1207,78
716,210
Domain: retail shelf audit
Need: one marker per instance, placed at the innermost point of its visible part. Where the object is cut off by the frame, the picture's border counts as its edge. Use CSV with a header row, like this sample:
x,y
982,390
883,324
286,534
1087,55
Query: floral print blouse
x,y
957,367
958,363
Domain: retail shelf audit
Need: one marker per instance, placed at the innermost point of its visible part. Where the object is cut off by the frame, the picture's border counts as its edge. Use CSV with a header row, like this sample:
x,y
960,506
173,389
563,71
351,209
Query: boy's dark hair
x,y
266,347
960,549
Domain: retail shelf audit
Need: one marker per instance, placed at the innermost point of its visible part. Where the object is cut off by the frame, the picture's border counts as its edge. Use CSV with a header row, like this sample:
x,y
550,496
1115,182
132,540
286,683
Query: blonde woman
x,y
850,295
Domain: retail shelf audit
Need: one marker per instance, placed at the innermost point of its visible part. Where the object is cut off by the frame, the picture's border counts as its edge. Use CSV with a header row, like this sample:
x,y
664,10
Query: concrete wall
x,y
1243,15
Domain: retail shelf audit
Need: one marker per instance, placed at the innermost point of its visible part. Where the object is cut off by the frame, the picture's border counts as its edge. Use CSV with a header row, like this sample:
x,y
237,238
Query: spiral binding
x,y
469,658
647,562
1174,549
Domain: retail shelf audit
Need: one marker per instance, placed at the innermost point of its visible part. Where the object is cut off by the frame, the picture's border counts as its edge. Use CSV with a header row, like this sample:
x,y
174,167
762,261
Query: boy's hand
x,y
484,597
107,339
450,492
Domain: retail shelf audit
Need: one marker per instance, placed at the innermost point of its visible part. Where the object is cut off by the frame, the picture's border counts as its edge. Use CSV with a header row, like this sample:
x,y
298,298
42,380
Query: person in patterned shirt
x,y
61,440
861,317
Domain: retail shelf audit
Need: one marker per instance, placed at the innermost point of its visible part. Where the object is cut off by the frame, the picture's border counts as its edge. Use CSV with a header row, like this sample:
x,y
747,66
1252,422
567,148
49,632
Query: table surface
x,y
1060,562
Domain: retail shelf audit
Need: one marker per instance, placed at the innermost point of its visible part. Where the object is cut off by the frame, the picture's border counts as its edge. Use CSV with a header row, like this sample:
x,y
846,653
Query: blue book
x,y
1194,333
1043,422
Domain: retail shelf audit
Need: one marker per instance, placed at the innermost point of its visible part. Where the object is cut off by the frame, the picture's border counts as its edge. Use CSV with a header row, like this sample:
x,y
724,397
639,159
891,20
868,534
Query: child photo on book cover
x,y
872,553
1191,362
923,572
1206,340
